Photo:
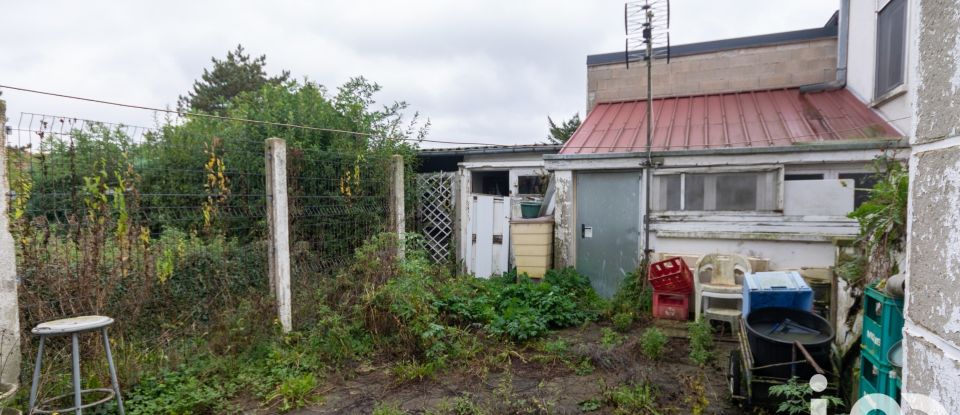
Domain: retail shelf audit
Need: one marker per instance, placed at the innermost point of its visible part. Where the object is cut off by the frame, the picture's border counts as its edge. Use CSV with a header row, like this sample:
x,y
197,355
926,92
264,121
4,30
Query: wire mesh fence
x,y
117,220
336,202
164,230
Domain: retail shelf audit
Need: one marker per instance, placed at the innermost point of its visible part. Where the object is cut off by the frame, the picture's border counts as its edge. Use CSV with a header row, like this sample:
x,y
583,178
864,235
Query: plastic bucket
x,y
530,210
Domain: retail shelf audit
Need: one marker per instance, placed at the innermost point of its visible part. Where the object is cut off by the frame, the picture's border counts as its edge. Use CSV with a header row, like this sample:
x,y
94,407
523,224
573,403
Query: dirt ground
x,y
527,380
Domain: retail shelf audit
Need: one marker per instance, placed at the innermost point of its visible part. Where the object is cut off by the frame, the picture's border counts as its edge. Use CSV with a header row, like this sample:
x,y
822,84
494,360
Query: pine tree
x,y
559,134
236,74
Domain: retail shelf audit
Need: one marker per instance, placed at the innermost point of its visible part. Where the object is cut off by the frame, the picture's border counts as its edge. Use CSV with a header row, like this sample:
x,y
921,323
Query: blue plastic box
x,y
785,289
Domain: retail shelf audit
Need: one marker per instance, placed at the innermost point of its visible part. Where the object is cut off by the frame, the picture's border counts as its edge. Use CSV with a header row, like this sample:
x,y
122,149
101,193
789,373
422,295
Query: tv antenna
x,y
646,24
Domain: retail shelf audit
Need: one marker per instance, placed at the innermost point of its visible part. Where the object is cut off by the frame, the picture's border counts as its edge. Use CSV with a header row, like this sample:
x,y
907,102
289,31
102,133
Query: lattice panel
x,y
436,212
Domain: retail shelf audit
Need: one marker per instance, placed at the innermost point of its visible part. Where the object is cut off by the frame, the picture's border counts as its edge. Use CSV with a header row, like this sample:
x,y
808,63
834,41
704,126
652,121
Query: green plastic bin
x,y
882,324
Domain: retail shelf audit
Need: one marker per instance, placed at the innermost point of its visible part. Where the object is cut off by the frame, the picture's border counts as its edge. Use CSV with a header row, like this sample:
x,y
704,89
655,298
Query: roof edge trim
x,y
769,39
858,144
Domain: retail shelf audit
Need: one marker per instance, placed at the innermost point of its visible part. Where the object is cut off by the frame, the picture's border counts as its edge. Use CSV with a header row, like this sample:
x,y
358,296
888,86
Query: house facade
x,y
758,148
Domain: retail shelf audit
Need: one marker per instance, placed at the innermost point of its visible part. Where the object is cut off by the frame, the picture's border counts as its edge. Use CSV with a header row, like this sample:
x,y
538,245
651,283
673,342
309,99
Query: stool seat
x,y
71,325
74,327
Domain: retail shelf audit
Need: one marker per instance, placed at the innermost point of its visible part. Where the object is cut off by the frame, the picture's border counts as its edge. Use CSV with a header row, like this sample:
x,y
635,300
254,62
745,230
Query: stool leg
x,y
113,371
36,379
77,397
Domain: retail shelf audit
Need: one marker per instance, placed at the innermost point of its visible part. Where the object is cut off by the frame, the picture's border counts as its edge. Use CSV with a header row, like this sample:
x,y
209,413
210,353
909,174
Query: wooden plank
x,y
532,250
482,216
501,226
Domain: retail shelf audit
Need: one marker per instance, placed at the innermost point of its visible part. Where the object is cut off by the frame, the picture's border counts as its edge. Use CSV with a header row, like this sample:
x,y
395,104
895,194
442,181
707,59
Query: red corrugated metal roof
x,y
773,118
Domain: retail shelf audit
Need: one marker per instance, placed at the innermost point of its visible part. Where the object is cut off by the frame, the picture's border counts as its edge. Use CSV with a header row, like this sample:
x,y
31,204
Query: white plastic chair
x,y
720,277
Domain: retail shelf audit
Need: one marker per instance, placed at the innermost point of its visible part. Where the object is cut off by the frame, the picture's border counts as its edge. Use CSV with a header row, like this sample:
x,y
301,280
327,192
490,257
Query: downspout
x,y
843,35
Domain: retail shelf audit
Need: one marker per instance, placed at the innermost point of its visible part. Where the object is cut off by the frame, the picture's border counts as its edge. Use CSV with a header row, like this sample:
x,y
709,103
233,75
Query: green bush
x,y
622,321
557,347
517,307
633,400
518,321
294,392
794,397
610,338
701,341
633,296
652,343
184,391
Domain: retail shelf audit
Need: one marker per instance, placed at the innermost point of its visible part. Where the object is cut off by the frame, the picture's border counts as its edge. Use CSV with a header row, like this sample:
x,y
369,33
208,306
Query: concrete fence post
x,y
9,309
397,219
278,221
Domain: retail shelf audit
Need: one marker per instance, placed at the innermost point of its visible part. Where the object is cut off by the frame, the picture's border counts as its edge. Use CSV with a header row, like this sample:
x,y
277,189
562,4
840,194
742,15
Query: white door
x,y
489,239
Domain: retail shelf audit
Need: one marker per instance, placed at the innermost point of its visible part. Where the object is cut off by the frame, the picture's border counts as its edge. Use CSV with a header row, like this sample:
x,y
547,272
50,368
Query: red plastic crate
x,y
671,275
671,306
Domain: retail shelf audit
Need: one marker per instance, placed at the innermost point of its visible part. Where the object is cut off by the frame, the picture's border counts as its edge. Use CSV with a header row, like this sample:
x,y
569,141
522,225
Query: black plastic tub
x,y
772,332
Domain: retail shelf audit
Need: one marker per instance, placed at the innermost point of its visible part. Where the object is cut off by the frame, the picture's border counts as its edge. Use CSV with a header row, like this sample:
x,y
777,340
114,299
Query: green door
x,y
608,227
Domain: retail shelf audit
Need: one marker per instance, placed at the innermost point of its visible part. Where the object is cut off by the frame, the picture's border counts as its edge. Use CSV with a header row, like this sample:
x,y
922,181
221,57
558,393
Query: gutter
x,y
490,150
843,37
840,145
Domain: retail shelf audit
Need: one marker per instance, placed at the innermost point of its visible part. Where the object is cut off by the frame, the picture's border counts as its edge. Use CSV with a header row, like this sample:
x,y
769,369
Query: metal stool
x,y
73,327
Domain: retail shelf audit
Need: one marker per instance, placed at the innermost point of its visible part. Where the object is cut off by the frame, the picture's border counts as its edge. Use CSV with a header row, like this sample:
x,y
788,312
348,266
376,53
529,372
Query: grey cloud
x,y
487,71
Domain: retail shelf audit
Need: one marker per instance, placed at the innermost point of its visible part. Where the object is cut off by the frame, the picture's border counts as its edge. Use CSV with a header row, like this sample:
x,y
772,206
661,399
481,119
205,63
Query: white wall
x,y
797,239
861,63
783,255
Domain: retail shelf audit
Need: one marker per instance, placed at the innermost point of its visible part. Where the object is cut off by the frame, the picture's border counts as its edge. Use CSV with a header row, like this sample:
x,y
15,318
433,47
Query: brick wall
x,y
765,67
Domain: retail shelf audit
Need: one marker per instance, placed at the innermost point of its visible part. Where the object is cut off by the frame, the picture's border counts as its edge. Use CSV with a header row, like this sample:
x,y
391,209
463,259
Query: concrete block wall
x,y
932,330
9,310
764,67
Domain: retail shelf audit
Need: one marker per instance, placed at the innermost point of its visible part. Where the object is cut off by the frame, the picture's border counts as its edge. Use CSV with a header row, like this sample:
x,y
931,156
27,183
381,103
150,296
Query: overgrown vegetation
x,y
406,310
697,396
652,343
639,399
795,397
634,297
165,232
883,223
701,341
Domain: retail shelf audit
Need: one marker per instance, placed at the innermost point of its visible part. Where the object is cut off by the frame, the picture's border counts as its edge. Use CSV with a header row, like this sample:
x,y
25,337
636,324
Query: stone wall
x,y
9,316
764,67
932,332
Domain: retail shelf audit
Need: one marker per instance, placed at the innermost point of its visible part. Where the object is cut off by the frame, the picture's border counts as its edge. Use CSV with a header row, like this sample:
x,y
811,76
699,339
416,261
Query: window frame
x,y
520,178
778,171
879,94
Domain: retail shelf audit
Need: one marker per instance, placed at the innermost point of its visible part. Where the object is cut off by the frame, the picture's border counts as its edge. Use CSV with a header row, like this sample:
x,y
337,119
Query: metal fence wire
x,y
336,202
163,230
159,232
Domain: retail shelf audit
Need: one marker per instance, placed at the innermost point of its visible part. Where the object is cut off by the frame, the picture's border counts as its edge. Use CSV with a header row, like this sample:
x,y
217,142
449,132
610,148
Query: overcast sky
x,y
482,71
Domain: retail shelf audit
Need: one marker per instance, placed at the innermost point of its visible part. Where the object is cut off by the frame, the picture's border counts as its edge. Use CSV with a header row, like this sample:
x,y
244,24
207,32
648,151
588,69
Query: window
x,y
529,185
803,176
862,183
733,191
891,42
495,183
